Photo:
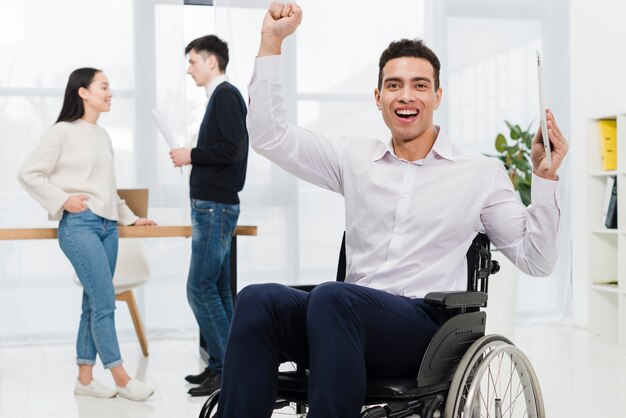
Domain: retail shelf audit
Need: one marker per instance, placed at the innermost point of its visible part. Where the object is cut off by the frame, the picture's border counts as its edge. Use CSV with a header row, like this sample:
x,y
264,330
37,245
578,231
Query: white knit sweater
x,y
75,158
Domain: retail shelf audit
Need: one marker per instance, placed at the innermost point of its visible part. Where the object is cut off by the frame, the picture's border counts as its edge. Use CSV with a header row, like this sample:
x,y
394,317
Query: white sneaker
x,y
95,389
135,390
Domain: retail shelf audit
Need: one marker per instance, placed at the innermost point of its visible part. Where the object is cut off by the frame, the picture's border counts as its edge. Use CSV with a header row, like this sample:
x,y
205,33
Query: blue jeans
x,y
90,243
208,283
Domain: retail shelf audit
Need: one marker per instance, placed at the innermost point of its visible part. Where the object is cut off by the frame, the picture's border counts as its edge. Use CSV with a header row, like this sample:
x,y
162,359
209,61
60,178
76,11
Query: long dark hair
x,y
73,108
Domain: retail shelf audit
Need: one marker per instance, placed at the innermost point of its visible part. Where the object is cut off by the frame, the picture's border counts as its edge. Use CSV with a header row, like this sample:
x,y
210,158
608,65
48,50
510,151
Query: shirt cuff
x,y
128,220
55,207
266,68
544,192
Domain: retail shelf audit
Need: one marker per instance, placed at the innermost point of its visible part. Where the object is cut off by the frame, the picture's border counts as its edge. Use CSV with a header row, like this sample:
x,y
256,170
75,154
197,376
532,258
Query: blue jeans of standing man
x,y
90,243
208,283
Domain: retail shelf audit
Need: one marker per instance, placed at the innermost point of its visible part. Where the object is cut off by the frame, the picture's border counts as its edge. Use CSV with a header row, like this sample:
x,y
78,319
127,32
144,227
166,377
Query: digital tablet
x,y
543,106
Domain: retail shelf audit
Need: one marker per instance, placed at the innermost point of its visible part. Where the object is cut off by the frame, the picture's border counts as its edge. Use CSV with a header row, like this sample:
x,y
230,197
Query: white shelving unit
x,y
606,247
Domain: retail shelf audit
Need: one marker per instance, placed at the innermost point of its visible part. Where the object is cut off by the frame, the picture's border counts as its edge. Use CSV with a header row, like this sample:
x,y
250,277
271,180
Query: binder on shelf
x,y
608,137
608,190
610,205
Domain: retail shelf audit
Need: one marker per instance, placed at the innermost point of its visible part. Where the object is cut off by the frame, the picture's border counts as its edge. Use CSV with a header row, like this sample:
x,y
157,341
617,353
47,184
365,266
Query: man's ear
x,y
377,98
212,61
438,95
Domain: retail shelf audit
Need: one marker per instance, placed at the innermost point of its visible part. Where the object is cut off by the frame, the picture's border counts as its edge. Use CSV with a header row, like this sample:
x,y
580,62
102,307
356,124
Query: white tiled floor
x,y
579,379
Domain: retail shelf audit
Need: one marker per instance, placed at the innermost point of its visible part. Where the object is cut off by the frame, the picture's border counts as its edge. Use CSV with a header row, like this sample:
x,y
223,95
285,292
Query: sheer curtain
x,y
138,45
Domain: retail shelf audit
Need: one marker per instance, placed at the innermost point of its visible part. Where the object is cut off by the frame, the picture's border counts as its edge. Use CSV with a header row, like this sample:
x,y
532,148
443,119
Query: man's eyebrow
x,y
413,79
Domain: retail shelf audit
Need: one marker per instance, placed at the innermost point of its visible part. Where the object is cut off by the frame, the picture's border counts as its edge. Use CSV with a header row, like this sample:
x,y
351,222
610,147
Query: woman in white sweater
x,y
71,174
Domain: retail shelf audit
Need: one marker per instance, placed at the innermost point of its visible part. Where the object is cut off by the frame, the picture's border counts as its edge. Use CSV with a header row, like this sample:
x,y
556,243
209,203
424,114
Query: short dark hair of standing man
x,y
211,45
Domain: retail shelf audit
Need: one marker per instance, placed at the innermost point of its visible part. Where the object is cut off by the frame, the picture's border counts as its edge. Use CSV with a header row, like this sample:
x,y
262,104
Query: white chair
x,y
132,271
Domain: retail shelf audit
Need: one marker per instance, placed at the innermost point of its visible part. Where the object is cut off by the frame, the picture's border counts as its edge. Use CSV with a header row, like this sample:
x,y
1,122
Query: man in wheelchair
x,y
413,203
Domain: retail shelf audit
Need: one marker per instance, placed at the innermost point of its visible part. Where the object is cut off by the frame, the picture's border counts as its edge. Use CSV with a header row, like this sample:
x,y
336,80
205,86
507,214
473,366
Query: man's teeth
x,y
406,112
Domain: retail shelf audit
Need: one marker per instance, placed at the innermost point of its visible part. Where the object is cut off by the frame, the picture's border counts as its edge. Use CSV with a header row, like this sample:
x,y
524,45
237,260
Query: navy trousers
x,y
341,332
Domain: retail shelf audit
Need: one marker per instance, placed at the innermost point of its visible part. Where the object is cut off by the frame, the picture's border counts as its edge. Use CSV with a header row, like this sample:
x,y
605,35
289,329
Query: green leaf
x,y
528,141
500,143
516,131
523,165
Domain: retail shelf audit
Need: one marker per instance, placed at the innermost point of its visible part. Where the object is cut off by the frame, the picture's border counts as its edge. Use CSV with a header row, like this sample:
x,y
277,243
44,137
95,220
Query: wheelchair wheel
x,y
209,409
288,409
494,380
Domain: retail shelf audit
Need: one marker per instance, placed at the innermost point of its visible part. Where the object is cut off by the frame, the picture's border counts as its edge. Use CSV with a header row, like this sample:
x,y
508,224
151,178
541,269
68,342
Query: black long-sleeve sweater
x,y
220,158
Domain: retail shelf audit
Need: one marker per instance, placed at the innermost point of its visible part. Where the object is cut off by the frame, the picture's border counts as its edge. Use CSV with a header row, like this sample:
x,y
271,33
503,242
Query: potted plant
x,y
515,154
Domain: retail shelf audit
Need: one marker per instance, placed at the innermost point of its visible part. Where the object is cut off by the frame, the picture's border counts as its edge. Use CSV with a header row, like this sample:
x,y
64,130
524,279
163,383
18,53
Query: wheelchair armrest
x,y
451,300
304,287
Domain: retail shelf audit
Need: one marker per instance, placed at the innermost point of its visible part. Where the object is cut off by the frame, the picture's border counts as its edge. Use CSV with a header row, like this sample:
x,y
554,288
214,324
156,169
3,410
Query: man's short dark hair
x,y
408,48
211,44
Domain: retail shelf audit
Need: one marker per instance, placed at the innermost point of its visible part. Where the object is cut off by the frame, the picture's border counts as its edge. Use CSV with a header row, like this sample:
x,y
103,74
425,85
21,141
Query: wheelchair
x,y
464,373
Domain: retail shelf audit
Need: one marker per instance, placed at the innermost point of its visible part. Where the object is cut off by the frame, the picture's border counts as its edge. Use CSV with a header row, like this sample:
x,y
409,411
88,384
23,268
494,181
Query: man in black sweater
x,y
218,173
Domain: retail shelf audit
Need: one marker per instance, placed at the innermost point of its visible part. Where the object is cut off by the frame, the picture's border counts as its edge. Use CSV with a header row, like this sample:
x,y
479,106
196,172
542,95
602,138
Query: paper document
x,y
164,127
543,106
166,130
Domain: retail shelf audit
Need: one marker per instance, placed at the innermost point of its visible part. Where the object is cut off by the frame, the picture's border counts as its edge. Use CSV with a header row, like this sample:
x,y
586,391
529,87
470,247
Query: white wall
x,y
597,87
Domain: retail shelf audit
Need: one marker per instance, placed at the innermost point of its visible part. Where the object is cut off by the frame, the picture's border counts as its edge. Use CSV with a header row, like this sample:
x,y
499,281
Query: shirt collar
x,y
442,147
214,83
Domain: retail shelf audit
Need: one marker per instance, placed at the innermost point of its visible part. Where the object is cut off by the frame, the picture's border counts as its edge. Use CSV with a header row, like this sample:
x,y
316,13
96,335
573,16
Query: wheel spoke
x,y
512,404
490,386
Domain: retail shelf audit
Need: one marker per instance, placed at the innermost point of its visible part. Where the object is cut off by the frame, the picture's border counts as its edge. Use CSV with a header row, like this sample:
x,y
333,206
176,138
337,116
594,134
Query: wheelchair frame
x,y
458,356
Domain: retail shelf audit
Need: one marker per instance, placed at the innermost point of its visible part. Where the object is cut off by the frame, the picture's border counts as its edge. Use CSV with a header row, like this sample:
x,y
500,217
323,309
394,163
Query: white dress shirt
x,y
213,85
408,224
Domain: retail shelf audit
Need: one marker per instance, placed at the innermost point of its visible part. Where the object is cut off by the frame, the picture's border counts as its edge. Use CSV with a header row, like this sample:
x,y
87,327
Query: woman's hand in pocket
x,y
76,203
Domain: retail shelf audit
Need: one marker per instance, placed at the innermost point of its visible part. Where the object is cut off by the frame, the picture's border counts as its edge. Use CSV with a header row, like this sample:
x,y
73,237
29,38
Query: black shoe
x,y
210,385
196,379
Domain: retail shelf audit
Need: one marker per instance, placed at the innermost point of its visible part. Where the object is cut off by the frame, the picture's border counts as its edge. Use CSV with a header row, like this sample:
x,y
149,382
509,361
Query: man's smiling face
x,y
407,97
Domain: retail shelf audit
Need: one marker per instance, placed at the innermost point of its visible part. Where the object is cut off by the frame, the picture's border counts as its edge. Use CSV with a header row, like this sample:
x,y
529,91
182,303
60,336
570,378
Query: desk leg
x,y
233,288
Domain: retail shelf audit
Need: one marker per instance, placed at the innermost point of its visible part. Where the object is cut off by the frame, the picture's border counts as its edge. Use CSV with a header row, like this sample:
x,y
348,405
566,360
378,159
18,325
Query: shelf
x,y
609,288
606,248
604,173
606,231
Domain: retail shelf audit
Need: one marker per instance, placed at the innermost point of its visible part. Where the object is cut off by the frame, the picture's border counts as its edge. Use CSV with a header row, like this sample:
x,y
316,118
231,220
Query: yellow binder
x,y
608,138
